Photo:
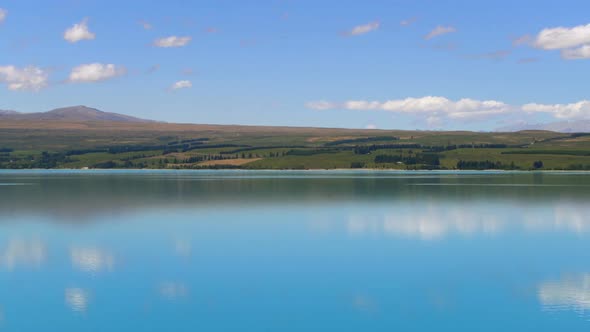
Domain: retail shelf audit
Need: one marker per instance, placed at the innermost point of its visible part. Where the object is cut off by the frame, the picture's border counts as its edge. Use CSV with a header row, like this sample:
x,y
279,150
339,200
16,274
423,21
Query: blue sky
x,y
409,64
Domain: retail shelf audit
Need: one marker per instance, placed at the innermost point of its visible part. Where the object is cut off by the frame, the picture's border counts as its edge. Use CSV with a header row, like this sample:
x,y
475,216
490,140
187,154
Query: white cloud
x,y
95,72
172,41
464,109
562,37
582,52
3,14
184,84
321,105
579,110
27,78
78,32
363,29
434,110
439,31
371,126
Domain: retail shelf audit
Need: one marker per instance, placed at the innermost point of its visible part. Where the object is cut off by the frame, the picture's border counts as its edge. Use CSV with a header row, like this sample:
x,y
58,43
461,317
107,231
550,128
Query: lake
x,y
294,251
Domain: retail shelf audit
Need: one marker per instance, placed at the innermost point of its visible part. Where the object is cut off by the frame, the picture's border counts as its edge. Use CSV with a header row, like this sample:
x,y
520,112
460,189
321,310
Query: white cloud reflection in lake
x,y
173,290
91,260
569,293
431,222
25,253
77,299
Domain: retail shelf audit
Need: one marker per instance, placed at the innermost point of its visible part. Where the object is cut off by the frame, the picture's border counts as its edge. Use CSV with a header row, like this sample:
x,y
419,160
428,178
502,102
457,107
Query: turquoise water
x,y
294,251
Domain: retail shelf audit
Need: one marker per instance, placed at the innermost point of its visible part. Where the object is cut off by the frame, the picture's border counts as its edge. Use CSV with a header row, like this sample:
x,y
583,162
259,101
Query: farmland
x,y
58,144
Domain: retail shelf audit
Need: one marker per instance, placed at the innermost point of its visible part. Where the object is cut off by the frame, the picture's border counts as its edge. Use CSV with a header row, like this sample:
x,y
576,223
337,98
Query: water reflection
x,y
173,290
81,196
183,247
427,223
569,293
91,260
77,299
269,252
26,253
432,220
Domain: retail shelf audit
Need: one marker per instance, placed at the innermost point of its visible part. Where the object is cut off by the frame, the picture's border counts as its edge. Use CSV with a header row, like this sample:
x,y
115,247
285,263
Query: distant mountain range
x,y
72,114
580,126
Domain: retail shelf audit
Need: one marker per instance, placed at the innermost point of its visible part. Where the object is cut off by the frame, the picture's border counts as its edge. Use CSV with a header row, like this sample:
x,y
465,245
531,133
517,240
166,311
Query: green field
x,y
176,146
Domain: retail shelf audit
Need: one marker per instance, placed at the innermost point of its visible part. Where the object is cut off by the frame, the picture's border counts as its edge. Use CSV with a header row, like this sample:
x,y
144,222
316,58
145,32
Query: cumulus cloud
x,y
3,14
439,31
579,110
172,41
371,126
563,37
184,84
95,72
78,32
435,109
27,78
363,29
426,106
582,52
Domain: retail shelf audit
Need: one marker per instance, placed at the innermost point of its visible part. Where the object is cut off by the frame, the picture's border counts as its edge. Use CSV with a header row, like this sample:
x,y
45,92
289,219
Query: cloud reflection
x,y
426,224
435,221
23,253
77,299
571,293
173,290
183,247
91,260
562,216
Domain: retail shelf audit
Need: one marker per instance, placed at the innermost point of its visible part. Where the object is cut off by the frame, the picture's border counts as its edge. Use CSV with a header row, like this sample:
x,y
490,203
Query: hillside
x,y
92,141
70,114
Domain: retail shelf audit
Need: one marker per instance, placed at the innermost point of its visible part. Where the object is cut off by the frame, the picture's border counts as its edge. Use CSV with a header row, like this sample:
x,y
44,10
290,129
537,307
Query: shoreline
x,y
355,170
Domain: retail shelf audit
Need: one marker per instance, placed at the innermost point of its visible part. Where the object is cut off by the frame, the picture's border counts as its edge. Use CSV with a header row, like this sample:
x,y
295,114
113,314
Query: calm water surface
x,y
294,251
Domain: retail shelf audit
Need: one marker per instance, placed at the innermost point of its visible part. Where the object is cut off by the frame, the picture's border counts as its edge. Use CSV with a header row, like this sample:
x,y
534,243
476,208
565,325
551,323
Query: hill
x,y
79,137
579,126
70,114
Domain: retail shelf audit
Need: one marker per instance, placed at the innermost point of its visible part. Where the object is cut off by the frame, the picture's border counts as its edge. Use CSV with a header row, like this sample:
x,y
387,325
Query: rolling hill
x,y
71,114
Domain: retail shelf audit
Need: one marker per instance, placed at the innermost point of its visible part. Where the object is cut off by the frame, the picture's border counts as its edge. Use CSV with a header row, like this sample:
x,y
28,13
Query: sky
x,y
384,64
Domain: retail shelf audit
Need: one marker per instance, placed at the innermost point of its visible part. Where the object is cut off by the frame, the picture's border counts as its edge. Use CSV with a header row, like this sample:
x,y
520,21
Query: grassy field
x,y
56,144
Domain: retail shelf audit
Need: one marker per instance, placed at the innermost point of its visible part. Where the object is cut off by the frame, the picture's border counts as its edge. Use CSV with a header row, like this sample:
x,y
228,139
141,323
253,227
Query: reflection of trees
x,y
79,197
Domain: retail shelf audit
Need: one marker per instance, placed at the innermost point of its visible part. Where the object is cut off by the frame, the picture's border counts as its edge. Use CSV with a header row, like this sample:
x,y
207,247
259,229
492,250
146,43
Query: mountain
x,y
580,126
4,112
72,114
